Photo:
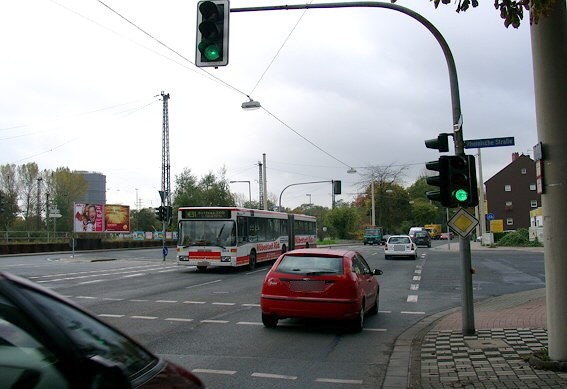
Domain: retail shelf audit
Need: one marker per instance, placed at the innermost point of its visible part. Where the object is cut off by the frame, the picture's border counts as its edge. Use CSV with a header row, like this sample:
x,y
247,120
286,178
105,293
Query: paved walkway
x,y
435,354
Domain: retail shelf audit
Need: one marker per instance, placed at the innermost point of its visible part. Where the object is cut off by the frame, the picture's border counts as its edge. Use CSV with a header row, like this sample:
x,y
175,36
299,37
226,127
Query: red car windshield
x,y
310,265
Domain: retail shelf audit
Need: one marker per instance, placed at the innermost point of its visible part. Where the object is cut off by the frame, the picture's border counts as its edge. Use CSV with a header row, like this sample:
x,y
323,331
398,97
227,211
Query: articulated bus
x,y
231,237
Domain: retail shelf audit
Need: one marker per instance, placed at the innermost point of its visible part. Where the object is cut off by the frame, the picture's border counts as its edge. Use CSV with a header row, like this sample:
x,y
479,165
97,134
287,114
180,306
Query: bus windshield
x,y
207,233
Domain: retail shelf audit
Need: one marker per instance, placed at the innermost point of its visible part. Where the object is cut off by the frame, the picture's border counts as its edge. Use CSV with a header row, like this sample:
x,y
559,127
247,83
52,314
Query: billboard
x,y
116,218
88,218
101,218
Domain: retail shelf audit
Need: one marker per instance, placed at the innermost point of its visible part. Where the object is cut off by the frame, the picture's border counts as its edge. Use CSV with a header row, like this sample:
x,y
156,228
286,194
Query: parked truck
x,y
434,230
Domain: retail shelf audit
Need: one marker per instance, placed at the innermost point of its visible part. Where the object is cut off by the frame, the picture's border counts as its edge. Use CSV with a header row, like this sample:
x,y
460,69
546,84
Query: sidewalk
x,y
434,353
453,245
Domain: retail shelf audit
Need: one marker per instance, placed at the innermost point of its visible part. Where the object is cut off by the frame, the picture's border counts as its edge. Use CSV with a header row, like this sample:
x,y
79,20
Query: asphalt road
x,y
210,322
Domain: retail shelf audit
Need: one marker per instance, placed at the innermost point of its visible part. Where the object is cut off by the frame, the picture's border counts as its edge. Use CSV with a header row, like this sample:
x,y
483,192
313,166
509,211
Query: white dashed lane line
x,y
250,323
203,284
194,302
110,315
166,301
414,286
339,381
134,275
215,321
412,313
224,304
144,317
178,319
274,376
211,371
412,298
417,278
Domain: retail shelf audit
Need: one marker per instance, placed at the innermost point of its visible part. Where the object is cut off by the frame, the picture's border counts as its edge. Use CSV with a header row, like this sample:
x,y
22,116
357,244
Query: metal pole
x,y
481,209
47,215
373,212
332,194
303,183
39,179
448,231
265,204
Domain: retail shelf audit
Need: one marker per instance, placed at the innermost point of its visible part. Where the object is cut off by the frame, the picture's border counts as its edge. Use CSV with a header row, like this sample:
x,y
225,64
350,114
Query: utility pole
x,y
481,209
47,215
265,182
373,210
261,186
165,170
39,179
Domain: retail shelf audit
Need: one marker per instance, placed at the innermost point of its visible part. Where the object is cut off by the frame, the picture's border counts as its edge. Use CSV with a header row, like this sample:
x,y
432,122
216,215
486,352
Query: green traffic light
x,y
461,195
212,52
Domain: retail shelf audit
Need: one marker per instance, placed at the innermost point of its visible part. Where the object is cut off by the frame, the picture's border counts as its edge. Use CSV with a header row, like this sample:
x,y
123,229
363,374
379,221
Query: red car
x,y
320,283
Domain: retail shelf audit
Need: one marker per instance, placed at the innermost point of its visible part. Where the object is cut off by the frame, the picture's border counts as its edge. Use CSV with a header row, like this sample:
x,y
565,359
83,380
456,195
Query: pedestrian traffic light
x,y
440,143
212,33
463,191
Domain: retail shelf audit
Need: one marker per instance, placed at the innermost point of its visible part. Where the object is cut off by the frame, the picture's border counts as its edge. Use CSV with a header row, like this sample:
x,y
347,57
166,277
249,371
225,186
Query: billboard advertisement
x,y
117,218
88,218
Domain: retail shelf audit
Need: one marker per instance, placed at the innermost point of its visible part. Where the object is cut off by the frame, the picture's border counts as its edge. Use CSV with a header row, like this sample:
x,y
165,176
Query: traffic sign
x,y
463,222
489,216
165,251
489,142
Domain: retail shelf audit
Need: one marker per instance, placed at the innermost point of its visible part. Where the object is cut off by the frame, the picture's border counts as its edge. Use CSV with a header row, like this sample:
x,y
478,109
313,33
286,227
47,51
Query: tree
x,y
27,176
512,11
145,220
65,187
9,189
209,191
419,188
318,211
423,212
344,220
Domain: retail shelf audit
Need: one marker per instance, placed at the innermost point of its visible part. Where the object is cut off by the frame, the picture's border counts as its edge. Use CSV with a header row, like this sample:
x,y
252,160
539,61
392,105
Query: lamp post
x,y
249,189
39,179
309,195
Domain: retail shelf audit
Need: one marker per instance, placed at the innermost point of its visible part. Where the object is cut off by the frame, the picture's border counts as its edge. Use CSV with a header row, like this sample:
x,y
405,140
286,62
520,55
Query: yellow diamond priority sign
x,y
463,222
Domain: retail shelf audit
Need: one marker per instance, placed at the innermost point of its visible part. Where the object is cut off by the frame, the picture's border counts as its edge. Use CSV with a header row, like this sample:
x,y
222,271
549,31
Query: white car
x,y
400,246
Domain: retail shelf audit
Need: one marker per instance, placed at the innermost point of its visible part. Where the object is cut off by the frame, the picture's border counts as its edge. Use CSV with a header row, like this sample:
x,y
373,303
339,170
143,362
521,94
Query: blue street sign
x,y
490,142
490,216
165,251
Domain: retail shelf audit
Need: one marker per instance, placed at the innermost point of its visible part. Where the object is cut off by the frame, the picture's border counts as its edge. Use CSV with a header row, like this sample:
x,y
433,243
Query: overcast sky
x,y
366,85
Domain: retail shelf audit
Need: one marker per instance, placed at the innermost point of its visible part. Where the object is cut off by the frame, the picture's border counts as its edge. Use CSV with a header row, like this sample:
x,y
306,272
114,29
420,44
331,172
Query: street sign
x,y
489,142
165,251
489,216
463,222
55,215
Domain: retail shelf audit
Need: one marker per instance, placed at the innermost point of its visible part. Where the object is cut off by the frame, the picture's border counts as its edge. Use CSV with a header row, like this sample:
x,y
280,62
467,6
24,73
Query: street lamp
x,y
250,104
249,189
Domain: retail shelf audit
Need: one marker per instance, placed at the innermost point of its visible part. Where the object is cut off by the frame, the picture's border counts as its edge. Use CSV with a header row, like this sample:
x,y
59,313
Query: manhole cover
x,y
485,344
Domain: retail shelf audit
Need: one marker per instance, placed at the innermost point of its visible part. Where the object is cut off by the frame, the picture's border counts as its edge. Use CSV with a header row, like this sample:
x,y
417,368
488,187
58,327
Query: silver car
x,y
400,246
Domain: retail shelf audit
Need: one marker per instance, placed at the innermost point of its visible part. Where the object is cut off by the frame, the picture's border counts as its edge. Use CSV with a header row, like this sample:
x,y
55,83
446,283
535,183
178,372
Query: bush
x,y
519,238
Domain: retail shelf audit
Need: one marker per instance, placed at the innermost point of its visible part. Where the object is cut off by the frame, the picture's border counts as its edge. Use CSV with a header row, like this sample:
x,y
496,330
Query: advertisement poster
x,y
88,218
138,235
117,218
149,235
158,235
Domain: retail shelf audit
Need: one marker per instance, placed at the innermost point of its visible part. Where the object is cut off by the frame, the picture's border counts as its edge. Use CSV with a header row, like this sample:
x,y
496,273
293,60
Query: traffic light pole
x,y
464,243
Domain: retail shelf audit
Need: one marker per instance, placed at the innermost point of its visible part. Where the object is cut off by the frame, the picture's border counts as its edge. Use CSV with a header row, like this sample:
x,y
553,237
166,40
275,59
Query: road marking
x,y
417,278
203,284
250,305
215,321
412,313
166,301
167,271
111,299
339,381
194,302
86,297
375,329
134,275
224,303
250,323
412,298
257,271
417,271
109,315
144,317
91,271
384,311
138,301
274,376
210,371
420,266
177,319
414,287
91,282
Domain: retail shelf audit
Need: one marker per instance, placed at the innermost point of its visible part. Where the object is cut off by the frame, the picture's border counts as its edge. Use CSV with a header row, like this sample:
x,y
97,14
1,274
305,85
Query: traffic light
x,y
442,194
212,33
337,187
463,191
456,181
440,143
160,213
168,213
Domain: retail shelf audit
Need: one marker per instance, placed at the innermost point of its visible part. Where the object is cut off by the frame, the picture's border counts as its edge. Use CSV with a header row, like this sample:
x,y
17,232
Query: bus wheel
x,y
284,249
201,268
252,260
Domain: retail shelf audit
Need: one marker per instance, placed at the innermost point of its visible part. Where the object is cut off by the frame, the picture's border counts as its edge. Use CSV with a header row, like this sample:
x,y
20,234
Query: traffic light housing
x,y
160,213
440,143
456,181
337,187
212,33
